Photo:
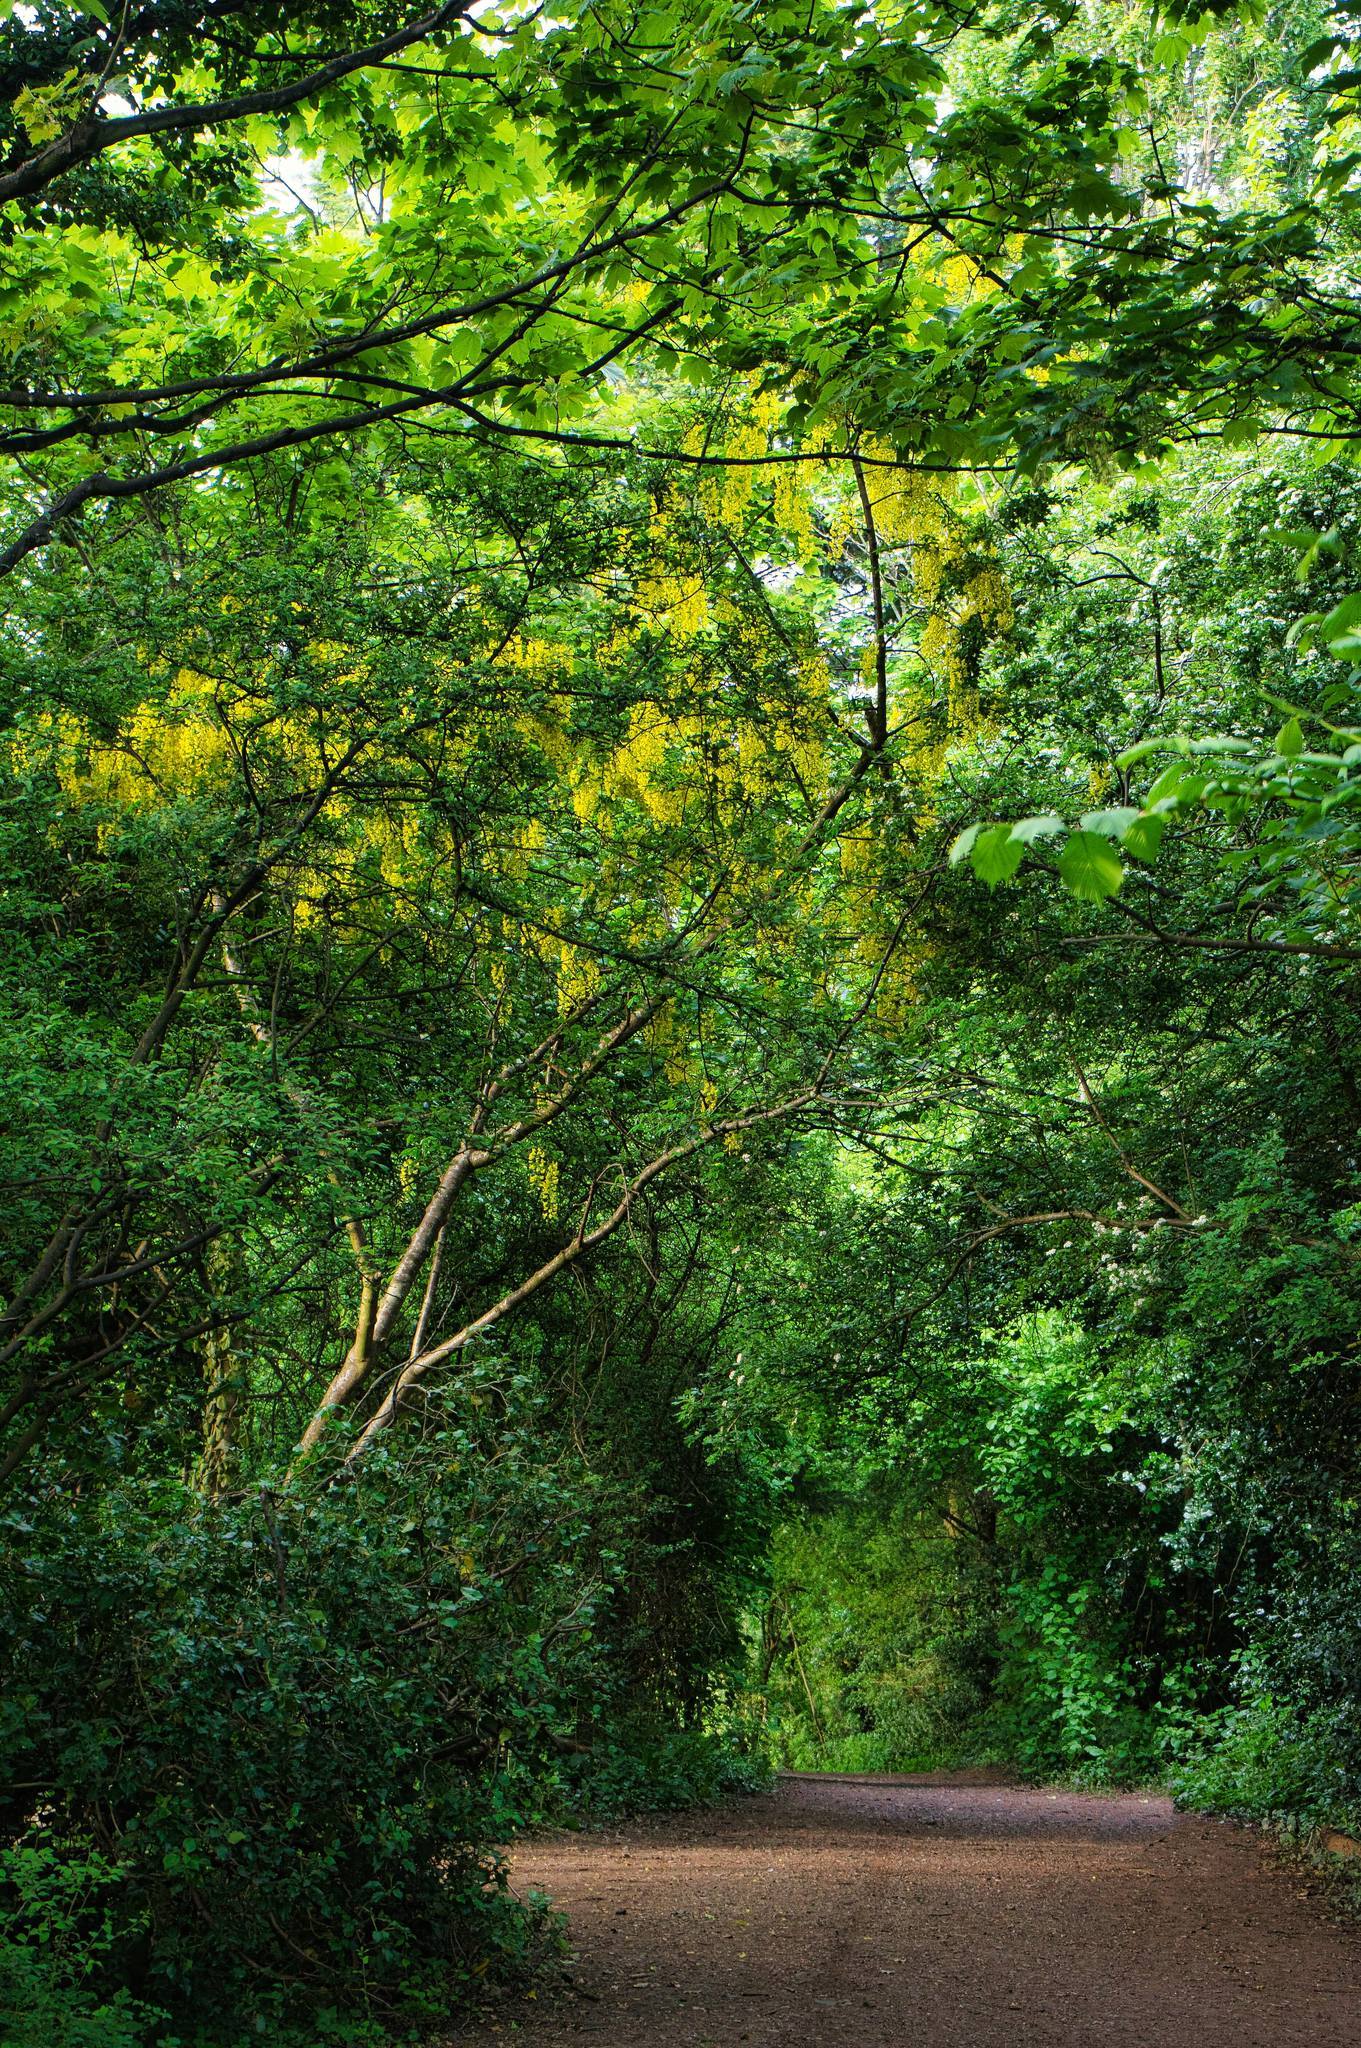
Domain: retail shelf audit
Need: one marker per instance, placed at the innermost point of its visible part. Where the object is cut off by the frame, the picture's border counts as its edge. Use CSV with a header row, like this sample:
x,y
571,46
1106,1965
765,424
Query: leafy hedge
x,y
281,1735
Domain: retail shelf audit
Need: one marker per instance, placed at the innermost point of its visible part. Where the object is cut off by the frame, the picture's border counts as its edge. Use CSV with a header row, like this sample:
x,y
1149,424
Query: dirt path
x,y
945,1913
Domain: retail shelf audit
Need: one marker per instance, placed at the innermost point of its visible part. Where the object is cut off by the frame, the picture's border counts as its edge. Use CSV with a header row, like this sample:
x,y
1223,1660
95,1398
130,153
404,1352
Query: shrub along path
x,y
941,1913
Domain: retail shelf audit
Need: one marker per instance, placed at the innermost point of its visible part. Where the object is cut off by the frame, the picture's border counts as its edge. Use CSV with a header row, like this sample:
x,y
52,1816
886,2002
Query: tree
x,y
1010,277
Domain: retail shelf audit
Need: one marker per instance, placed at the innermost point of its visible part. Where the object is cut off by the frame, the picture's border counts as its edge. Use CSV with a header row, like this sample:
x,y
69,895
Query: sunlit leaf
x,y
1090,867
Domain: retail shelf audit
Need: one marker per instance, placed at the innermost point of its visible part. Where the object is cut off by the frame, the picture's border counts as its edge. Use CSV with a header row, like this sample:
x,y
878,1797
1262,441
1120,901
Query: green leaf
x,y
1144,836
1172,783
1290,740
1319,52
1142,752
1028,830
1341,629
1111,824
963,846
996,855
1090,867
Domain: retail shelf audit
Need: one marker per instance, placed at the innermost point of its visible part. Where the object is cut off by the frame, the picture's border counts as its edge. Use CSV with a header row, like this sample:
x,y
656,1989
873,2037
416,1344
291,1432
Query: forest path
x,y
953,1912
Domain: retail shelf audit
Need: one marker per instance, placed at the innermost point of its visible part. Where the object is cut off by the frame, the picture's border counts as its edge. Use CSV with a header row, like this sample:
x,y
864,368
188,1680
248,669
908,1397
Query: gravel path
x,y
935,1913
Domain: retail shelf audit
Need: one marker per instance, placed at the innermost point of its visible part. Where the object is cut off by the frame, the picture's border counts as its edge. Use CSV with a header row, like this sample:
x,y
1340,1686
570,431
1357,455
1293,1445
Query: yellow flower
x,y
543,1178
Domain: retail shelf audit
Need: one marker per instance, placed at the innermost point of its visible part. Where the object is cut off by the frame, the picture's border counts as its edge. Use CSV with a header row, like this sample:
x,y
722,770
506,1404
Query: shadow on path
x,y
953,1912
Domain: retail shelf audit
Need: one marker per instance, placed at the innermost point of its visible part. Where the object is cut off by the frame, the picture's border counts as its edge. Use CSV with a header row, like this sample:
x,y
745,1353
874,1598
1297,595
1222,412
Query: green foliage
x,y
59,1940
1141,1169
1265,1761
1003,1605
1288,1748
879,1639
294,1723
651,1766
263,252
551,1123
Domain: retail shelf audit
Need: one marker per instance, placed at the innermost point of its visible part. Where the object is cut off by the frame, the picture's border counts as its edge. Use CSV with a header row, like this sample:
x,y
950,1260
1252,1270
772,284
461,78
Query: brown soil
x,y
954,1912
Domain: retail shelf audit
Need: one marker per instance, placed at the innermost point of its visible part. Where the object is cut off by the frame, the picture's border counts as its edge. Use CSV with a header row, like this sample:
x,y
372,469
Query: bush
x,y
58,1932
1261,1761
648,1767
281,1735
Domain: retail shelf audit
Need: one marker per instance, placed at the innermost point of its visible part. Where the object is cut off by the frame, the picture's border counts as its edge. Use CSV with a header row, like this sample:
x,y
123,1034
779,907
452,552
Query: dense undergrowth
x,y
278,1740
